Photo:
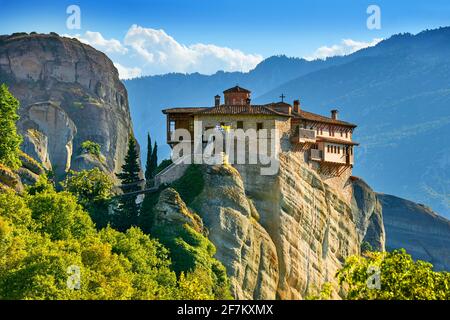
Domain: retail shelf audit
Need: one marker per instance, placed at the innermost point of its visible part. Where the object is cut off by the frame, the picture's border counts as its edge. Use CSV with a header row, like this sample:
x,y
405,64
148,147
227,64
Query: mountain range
x,y
398,92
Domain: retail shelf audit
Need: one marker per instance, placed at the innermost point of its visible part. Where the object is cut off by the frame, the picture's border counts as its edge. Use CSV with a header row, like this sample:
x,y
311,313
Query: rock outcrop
x,y
280,236
368,215
243,246
423,233
69,93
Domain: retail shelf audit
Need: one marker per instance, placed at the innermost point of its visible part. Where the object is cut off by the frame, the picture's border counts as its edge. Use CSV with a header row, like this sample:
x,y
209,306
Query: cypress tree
x,y
154,159
148,163
127,211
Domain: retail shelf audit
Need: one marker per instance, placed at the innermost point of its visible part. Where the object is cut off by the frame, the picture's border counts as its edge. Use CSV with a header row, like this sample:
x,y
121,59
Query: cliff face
x,y
423,233
368,215
279,236
69,93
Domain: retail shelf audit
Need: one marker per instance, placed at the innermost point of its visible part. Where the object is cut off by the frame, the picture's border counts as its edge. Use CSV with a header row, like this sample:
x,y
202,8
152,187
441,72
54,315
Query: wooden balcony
x,y
304,136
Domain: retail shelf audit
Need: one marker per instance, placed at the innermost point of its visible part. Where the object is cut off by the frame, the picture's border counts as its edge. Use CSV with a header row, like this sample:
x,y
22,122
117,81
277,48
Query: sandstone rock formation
x,y
243,246
368,215
423,233
280,236
69,93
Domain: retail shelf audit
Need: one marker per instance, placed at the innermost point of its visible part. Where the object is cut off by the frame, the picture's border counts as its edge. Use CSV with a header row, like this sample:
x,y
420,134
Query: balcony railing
x,y
315,155
304,136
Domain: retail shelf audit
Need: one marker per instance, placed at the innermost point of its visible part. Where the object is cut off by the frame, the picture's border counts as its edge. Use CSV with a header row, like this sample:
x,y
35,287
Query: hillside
x,y
397,92
423,233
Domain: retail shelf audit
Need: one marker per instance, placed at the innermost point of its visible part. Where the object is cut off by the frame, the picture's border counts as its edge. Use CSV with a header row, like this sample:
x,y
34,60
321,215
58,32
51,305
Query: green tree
x,y
10,140
398,275
89,186
127,211
93,188
154,159
149,164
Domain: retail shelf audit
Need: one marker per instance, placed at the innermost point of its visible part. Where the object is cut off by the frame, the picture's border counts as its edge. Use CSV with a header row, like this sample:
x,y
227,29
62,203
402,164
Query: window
x,y
171,126
346,134
259,126
331,132
334,149
342,134
240,125
339,150
321,131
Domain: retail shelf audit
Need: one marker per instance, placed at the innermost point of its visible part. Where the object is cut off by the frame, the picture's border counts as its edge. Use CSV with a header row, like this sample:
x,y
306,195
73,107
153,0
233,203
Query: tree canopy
x,y
10,140
392,276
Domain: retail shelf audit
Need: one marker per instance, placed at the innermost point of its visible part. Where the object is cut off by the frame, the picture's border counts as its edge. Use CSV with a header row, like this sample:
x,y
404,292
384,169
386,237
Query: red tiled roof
x,y
242,109
237,89
183,110
318,118
266,109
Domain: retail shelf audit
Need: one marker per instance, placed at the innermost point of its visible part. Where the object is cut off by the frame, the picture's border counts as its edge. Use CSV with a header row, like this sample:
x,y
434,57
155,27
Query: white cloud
x,y
160,53
347,46
127,73
96,40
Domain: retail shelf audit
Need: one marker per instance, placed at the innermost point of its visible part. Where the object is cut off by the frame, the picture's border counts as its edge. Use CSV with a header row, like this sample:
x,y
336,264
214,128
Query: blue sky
x,y
194,35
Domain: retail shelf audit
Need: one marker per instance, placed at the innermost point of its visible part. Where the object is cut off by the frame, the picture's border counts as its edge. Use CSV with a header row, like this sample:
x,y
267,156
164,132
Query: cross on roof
x,y
282,97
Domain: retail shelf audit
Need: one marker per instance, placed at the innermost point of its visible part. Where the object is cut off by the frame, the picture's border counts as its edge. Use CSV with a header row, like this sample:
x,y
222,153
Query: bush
x,y
89,186
91,148
399,278
191,184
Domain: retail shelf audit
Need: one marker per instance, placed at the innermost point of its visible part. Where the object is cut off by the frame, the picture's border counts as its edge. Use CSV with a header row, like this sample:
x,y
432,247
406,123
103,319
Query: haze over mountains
x,y
398,92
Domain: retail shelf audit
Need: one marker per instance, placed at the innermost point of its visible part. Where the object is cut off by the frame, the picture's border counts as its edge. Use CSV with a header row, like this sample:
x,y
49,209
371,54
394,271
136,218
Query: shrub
x,y
91,148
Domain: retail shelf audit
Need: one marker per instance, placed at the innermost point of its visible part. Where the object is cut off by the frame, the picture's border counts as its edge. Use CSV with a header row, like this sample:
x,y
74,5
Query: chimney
x,y
334,114
248,100
296,106
217,100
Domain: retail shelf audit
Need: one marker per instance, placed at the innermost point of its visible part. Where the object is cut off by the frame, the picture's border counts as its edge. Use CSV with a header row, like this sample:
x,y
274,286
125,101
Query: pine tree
x,y
127,211
154,159
148,164
10,140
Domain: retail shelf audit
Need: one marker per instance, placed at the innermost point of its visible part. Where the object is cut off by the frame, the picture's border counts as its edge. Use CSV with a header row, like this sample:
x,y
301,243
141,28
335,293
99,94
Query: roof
x,y
305,115
242,110
183,110
337,140
237,89
266,109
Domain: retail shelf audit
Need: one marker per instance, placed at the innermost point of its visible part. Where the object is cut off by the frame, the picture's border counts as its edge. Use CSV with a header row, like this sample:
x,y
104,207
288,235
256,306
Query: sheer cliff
x,y
281,236
69,93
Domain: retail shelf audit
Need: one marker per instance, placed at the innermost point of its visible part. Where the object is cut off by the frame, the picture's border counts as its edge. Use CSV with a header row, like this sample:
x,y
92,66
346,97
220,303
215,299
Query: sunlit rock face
x,y
280,236
69,93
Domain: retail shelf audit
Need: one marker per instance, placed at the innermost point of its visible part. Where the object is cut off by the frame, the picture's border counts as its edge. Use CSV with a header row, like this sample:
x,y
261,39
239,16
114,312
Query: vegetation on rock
x,y
10,140
91,148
